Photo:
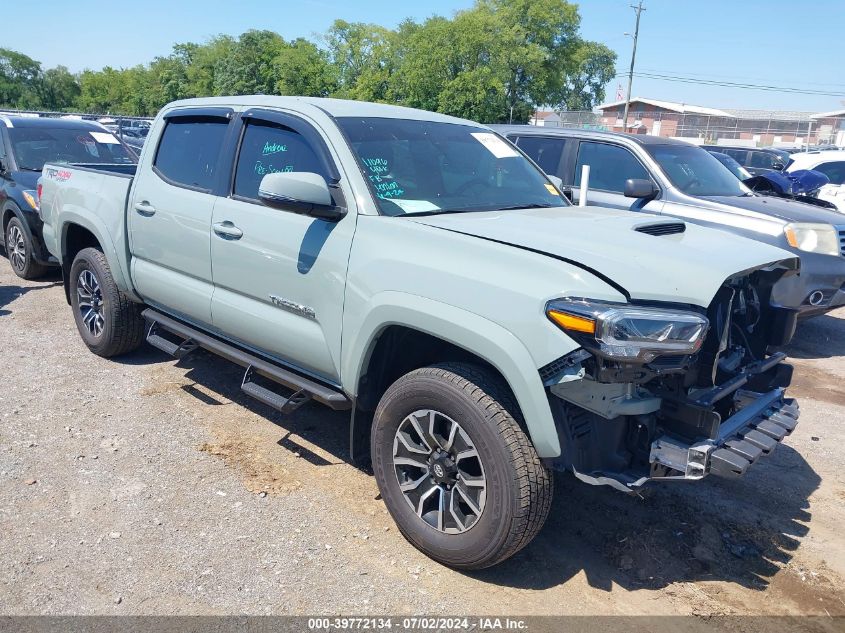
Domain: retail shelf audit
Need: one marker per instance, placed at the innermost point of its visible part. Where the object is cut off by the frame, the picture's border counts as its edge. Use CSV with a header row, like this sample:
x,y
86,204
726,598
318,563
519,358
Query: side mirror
x,y
640,188
300,192
778,166
557,182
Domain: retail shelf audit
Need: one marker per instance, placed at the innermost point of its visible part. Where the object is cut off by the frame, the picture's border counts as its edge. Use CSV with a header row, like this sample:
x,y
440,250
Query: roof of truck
x,y
333,107
48,122
542,130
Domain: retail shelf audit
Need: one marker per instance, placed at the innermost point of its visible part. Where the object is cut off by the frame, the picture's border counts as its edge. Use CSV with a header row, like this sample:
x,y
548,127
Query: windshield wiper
x,y
517,207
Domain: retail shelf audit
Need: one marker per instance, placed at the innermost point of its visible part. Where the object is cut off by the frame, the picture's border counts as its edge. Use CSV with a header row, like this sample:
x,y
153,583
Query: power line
x,y
680,73
731,84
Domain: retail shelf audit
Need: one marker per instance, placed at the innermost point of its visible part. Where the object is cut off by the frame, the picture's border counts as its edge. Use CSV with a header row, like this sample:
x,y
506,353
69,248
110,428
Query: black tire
x,y
20,253
519,487
122,326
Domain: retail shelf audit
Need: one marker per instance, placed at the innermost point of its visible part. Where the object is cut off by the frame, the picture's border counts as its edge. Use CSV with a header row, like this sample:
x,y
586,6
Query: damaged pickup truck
x,y
421,273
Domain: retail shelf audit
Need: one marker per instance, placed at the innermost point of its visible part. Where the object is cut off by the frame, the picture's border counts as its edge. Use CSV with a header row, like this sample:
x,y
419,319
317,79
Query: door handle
x,y
145,208
227,230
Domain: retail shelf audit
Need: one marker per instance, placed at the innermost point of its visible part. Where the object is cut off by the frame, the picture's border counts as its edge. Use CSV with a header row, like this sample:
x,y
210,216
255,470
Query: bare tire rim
x,y
16,248
90,302
439,471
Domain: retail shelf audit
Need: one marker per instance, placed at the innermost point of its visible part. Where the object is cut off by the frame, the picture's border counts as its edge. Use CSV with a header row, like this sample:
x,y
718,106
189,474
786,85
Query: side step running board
x,y
304,388
271,398
177,350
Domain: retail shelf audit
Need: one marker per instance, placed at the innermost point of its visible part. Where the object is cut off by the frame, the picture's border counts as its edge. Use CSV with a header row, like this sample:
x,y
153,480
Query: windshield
x,y
33,147
695,171
428,167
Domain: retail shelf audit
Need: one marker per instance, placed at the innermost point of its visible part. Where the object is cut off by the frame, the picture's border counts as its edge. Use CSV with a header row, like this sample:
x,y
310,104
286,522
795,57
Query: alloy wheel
x,y
439,471
16,247
90,302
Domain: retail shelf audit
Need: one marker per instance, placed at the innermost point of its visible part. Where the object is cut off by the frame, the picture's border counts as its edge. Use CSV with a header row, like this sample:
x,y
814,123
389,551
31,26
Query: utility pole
x,y
639,9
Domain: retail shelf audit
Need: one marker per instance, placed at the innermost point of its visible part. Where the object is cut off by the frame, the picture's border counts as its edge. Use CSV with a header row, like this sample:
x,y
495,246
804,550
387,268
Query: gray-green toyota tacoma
x,y
422,273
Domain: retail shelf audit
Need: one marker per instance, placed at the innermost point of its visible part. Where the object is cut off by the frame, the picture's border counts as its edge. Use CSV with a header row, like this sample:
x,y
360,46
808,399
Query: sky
x,y
780,43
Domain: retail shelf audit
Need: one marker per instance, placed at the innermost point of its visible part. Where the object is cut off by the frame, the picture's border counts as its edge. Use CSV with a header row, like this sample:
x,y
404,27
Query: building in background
x,y
545,117
832,124
698,124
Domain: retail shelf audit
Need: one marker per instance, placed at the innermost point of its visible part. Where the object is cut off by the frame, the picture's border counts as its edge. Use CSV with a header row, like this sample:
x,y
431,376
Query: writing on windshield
x,y
430,167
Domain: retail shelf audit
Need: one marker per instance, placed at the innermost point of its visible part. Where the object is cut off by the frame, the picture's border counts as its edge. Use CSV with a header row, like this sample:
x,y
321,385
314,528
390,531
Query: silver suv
x,y
668,177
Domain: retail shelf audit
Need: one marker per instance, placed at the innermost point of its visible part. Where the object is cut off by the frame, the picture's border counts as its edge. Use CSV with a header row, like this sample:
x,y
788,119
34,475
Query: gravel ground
x,y
147,486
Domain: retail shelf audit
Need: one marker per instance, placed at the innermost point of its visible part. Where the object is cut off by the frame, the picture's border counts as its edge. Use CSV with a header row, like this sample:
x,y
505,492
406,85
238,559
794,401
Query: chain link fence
x,y
746,127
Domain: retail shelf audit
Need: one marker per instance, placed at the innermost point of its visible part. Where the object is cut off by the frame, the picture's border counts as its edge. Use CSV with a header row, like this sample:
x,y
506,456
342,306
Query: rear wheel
x,y
456,471
20,253
108,321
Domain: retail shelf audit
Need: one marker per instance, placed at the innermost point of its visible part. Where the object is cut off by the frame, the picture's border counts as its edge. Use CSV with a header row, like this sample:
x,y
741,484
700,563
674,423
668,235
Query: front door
x,y
610,166
279,277
170,214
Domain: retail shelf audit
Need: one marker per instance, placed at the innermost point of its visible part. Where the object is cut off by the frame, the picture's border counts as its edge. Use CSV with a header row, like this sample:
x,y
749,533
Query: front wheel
x,y
20,252
455,469
109,322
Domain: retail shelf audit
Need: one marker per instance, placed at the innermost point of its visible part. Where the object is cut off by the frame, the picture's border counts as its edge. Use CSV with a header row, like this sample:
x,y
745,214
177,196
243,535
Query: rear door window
x,y
834,170
189,151
739,155
763,160
546,152
610,166
267,148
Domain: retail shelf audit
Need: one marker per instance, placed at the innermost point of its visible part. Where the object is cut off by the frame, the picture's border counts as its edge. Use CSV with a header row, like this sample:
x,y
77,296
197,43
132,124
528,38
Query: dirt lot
x,y
148,486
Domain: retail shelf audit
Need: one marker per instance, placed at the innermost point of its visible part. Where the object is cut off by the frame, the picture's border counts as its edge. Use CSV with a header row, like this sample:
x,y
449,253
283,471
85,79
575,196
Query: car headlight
x,y
813,238
30,196
629,333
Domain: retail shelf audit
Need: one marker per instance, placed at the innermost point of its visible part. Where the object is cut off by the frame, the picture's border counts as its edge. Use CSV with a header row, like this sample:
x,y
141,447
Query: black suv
x,y
25,145
757,160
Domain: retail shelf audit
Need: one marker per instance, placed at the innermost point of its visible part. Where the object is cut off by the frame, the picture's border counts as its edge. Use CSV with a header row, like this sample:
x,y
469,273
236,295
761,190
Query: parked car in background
x,y
653,174
756,160
734,167
832,164
26,143
136,143
418,271
802,185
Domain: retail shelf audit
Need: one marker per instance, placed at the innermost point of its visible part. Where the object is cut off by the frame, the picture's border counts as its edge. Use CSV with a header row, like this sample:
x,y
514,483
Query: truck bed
x,y
95,198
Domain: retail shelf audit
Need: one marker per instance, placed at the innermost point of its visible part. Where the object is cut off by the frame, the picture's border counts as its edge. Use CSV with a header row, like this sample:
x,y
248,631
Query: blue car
x,y
26,143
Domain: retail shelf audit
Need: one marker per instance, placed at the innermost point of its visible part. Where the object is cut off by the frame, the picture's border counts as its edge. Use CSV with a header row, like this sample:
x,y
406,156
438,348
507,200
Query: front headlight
x,y
813,238
629,333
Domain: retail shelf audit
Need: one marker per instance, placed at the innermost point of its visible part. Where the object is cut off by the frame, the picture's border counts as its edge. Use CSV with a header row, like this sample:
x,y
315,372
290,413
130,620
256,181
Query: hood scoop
x,y
664,228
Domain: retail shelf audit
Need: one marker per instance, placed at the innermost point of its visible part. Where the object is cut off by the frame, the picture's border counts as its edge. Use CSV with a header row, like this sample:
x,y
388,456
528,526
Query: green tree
x,y
200,62
249,68
362,56
59,89
303,69
593,66
20,76
493,62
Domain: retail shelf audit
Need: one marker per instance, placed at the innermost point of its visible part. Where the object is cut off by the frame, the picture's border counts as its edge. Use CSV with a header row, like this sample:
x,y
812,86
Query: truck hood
x,y
680,267
780,208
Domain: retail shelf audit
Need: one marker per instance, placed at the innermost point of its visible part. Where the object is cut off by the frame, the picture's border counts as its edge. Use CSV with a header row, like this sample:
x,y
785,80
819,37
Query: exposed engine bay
x,y
715,407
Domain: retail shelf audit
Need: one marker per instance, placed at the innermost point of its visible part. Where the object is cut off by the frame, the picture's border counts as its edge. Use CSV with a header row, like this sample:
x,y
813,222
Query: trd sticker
x,y
61,175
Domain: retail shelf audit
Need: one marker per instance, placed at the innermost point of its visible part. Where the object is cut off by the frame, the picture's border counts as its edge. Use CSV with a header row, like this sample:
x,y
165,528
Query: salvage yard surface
x,y
147,486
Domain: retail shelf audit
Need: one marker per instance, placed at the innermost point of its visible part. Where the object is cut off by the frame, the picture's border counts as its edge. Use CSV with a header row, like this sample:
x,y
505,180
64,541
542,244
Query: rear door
x,y
170,213
279,277
610,166
549,152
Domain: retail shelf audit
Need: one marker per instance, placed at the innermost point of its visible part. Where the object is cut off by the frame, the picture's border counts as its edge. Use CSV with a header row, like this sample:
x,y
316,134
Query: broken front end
x,y
669,392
